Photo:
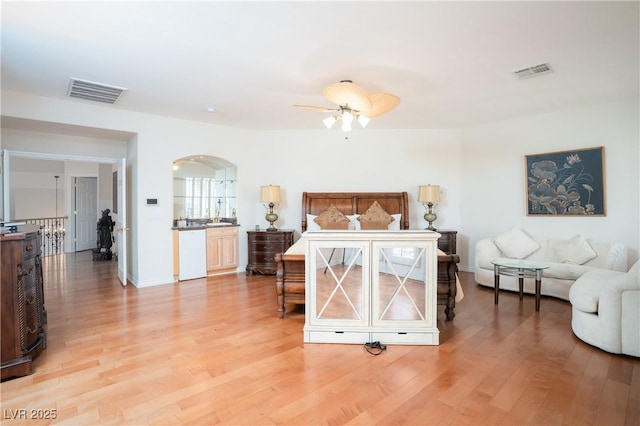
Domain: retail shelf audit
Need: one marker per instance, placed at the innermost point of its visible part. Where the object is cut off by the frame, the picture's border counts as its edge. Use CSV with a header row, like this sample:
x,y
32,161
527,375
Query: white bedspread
x,y
298,248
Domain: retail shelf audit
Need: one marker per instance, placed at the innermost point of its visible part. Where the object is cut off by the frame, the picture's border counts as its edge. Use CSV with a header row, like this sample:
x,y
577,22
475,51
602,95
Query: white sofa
x,y
605,310
568,260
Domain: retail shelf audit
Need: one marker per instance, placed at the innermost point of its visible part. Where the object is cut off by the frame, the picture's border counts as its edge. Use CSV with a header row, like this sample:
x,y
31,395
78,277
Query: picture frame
x,y
566,183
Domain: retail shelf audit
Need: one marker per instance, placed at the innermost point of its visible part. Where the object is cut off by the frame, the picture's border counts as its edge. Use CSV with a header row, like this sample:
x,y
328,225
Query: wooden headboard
x,y
355,203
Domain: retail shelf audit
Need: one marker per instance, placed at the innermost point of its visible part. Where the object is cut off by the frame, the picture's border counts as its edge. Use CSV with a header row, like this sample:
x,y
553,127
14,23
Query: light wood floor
x,y
216,351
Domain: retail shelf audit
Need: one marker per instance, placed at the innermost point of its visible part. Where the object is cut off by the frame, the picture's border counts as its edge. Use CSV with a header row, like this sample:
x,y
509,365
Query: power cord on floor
x,y
375,348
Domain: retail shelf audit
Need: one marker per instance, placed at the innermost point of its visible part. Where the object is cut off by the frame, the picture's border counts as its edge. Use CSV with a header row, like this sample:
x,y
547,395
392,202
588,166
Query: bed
x,y
290,266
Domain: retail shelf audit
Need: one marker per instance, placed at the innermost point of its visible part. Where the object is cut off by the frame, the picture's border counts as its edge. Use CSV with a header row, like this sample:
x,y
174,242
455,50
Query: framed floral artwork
x,y
566,183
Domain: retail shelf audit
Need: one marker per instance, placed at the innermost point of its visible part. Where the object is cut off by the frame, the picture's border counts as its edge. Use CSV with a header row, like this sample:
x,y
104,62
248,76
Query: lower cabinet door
x,y
193,261
222,249
230,251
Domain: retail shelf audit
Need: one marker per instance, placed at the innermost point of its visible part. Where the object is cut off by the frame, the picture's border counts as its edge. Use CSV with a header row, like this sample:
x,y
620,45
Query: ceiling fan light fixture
x,y
347,117
363,120
353,103
381,103
347,93
329,121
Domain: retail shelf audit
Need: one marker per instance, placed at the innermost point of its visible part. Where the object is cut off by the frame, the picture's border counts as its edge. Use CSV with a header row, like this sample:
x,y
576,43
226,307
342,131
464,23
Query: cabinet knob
x,y
29,247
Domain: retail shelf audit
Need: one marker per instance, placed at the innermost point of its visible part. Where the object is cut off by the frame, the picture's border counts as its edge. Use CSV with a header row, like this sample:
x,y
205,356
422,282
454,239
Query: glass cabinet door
x,y
340,288
399,284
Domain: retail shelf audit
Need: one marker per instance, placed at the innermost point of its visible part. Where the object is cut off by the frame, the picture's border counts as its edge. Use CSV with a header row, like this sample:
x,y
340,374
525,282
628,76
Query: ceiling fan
x,y
353,103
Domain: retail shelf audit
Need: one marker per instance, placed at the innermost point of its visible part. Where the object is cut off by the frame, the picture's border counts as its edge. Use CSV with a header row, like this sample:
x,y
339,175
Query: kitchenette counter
x,y
203,249
204,226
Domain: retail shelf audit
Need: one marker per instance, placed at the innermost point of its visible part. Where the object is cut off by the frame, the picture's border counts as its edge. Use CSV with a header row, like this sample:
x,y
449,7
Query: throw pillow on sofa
x,y
516,244
575,250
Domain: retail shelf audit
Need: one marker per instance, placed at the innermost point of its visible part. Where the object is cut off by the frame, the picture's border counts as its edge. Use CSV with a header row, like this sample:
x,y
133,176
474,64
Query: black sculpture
x,y
105,237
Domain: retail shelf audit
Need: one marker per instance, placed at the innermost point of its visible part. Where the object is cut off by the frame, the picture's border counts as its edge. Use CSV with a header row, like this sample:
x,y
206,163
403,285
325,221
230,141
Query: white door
x,y
86,212
121,221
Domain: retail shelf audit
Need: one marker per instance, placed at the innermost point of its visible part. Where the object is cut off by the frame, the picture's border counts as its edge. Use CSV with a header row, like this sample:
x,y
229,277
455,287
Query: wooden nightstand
x,y
263,246
447,242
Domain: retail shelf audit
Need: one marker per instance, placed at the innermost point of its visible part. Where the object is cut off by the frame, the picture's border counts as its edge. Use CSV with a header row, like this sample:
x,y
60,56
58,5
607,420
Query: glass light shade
x,y
346,127
270,194
429,194
347,117
329,121
363,120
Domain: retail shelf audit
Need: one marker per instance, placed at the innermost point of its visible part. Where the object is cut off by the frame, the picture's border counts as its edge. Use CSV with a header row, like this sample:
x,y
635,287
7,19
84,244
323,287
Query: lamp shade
x,y
271,194
429,194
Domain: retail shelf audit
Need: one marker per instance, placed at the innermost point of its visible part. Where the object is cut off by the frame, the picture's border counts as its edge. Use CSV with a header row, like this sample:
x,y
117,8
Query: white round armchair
x,y
605,310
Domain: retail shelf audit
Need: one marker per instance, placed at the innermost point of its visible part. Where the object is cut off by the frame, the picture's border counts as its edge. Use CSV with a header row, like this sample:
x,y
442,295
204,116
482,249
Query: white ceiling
x,y
451,63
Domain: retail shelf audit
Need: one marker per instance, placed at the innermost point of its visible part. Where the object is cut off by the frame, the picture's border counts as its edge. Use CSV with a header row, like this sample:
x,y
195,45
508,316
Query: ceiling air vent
x,y
533,71
92,91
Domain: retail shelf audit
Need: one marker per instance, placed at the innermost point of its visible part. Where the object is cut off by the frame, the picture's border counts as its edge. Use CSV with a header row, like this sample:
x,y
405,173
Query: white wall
x,y
370,160
33,188
157,141
493,172
33,141
105,187
480,171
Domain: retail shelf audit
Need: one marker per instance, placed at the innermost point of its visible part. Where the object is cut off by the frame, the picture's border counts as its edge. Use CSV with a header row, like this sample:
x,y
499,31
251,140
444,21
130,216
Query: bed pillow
x,y
354,225
516,244
393,226
575,250
375,218
332,218
395,223
311,223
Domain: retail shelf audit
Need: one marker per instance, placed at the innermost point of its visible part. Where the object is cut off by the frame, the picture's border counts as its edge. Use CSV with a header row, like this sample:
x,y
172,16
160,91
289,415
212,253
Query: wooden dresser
x,y
263,246
23,315
447,242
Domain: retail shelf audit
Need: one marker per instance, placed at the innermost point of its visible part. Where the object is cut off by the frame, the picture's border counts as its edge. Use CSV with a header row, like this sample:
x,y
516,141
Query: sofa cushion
x,y
616,256
565,271
516,244
575,250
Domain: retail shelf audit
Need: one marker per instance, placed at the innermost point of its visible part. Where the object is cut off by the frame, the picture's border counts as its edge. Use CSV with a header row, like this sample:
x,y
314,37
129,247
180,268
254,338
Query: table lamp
x,y
429,195
271,196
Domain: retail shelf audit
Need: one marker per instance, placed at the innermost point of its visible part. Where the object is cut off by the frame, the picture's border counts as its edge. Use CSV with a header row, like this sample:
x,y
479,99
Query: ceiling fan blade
x,y
347,93
381,103
317,108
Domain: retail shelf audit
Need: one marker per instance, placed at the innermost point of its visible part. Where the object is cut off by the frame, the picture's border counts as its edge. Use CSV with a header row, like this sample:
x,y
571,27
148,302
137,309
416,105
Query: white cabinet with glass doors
x,y
368,286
